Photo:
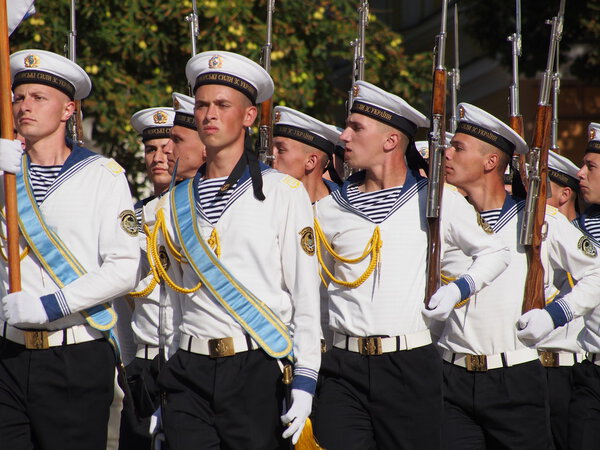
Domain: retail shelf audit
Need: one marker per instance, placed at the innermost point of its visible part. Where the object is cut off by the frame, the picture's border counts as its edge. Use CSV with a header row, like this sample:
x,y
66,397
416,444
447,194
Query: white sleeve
x,y
118,253
462,229
575,253
300,273
127,345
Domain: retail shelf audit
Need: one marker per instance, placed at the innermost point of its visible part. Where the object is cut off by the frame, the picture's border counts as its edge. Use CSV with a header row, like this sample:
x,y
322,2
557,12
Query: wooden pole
x,y
7,132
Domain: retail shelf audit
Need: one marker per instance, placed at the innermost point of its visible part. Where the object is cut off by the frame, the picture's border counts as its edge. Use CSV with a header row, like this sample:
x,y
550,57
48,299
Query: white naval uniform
x,y
486,324
145,316
86,207
82,207
389,302
261,246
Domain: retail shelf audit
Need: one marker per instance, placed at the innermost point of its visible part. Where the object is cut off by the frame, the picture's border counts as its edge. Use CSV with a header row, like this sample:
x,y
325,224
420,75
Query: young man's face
x,y
589,178
221,114
156,162
364,139
186,147
464,161
40,111
290,156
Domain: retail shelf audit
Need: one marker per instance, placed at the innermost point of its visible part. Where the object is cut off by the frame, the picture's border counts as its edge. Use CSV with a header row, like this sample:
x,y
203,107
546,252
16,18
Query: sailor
x,y
79,250
250,274
382,379
303,148
185,147
559,351
495,388
139,313
589,184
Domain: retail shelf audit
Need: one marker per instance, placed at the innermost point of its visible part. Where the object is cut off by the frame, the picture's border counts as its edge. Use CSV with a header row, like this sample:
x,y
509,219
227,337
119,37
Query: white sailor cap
x,y
593,138
476,122
340,146
374,102
153,123
230,69
184,110
562,171
423,146
50,69
301,127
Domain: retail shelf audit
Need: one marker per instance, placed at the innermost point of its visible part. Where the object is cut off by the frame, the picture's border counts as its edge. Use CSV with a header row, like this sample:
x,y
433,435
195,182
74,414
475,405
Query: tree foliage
x,y
135,52
581,29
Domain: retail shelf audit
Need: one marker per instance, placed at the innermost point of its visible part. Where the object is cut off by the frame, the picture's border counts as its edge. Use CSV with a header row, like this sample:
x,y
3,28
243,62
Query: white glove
x,y
156,421
22,309
297,414
534,325
442,302
10,155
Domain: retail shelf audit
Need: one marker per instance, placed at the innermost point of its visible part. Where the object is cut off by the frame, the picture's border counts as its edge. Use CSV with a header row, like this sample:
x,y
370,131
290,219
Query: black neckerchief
x,y
249,159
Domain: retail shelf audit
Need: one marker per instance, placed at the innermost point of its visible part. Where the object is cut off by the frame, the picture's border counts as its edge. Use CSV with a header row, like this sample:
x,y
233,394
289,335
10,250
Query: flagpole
x,y
7,132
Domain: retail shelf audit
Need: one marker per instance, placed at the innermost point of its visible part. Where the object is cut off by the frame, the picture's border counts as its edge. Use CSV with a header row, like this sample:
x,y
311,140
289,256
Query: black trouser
x,y
584,410
135,423
391,401
233,402
55,399
560,391
504,408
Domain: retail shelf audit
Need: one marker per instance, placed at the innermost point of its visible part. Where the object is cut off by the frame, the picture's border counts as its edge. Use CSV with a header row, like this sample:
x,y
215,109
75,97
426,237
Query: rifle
x,y
437,146
75,122
192,19
454,76
7,132
358,62
555,91
265,150
515,117
537,158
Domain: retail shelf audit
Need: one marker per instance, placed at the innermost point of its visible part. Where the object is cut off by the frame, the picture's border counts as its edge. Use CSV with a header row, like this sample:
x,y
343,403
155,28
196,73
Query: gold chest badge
x,y
164,257
129,222
587,247
483,224
307,240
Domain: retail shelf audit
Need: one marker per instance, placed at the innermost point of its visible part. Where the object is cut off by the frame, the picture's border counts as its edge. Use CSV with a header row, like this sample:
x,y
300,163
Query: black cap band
x,y
593,147
45,78
185,120
229,80
486,135
383,115
156,133
563,179
304,136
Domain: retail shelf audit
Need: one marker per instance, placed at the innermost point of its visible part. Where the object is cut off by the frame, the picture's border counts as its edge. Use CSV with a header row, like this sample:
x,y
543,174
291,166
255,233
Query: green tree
x,y
136,50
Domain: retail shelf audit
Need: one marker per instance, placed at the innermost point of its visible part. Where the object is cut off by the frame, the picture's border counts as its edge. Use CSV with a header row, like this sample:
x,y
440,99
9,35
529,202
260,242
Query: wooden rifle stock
x,y
7,132
436,178
534,284
266,130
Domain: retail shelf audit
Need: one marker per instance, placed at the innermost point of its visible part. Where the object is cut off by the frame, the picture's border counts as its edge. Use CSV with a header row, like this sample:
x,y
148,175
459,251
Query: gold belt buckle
x,y
549,359
323,346
369,346
219,348
476,363
36,340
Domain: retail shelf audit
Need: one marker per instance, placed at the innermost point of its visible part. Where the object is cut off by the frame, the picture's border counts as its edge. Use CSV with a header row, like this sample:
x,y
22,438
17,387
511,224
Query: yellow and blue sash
x,y
55,257
252,314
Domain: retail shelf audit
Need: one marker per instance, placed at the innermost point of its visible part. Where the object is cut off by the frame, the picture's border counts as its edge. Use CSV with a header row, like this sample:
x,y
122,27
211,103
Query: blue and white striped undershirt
x,y
212,204
491,216
42,178
592,225
375,205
